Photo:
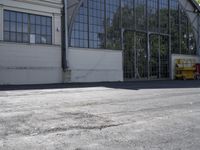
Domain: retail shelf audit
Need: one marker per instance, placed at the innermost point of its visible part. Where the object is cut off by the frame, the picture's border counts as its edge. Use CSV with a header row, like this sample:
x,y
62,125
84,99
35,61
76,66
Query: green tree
x,y
198,1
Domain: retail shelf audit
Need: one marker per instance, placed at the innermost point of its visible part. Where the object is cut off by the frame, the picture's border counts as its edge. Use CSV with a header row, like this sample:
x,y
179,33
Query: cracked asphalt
x,y
151,115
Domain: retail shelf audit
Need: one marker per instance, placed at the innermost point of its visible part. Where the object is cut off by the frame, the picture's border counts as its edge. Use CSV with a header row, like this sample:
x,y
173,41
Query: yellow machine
x,y
185,69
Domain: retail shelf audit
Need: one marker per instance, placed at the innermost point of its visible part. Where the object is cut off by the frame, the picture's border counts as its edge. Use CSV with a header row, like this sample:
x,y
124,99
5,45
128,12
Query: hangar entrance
x,y
145,57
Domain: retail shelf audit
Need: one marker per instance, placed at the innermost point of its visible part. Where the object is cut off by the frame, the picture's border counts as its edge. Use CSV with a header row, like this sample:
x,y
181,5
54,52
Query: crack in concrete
x,y
63,129
101,127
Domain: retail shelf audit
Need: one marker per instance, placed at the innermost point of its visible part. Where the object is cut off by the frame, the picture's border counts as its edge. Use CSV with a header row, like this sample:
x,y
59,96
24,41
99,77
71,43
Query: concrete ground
x,y
152,115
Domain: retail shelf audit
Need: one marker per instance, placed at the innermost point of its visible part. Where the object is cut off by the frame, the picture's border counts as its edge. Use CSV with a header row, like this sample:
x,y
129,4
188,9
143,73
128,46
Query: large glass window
x,y
191,40
174,11
79,35
99,23
140,11
27,28
128,14
153,15
184,33
113,24
96,24
164,16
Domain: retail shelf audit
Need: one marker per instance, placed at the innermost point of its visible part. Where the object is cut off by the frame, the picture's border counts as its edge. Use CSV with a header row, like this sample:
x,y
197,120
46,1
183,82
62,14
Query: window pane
x,y
140,14
43,40
6,36
6,15
49,23
25,28
44,21
19,27
32,28
44,30
37,40
32,19
25,38
13,26
19,17
49,40
38,29
6,26
19,37
13,36
25,18
12,16
38,20
49,32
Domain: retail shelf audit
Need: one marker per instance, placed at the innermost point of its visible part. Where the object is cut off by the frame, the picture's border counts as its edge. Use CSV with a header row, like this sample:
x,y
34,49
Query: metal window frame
x,y
29,25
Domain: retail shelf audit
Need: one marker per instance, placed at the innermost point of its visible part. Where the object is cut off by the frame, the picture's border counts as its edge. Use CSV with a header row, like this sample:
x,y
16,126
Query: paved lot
x,y
154,115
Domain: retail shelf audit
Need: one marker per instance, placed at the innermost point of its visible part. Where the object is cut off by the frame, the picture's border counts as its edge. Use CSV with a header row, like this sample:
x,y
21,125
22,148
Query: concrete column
x,y
57,29
1,23
53,29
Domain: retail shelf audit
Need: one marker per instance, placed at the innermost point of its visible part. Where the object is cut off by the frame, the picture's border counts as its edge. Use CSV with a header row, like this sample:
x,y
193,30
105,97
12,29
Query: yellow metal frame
x,y
185,69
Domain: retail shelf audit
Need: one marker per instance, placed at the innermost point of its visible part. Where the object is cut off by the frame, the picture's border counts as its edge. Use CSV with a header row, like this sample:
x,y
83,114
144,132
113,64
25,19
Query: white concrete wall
x,y
174,57
30,64
95,65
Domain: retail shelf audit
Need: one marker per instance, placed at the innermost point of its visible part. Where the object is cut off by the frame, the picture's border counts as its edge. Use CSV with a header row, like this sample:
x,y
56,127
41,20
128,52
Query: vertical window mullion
x,y
105,24
29,28
88,22
15,26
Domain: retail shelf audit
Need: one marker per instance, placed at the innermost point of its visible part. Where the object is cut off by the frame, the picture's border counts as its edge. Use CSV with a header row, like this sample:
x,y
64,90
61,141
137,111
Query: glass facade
x,y
153,15
98,23
113,24
140,14
148,32
27,28
174,19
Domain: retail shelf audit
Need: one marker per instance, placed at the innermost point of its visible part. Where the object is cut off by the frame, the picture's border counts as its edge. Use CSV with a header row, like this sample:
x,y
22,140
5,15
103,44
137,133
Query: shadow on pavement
x,y
134,85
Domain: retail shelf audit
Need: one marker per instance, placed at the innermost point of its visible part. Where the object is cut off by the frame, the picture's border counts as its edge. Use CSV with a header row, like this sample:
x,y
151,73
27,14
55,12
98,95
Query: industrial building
x,y
62,41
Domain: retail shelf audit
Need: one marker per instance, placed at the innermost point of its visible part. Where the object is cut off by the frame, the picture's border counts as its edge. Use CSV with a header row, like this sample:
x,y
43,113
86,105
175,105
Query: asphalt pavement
x,y
140,115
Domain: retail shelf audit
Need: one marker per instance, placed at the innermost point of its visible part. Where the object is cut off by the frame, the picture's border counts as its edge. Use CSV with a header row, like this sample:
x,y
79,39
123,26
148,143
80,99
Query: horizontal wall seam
x,y
109,70
29,68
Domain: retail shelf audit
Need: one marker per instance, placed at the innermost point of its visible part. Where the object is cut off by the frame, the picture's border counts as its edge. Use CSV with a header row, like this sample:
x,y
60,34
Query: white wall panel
x,y
30,64
95,65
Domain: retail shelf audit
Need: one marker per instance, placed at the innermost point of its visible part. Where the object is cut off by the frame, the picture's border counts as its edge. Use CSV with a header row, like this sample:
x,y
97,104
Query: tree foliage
x,y
198,1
